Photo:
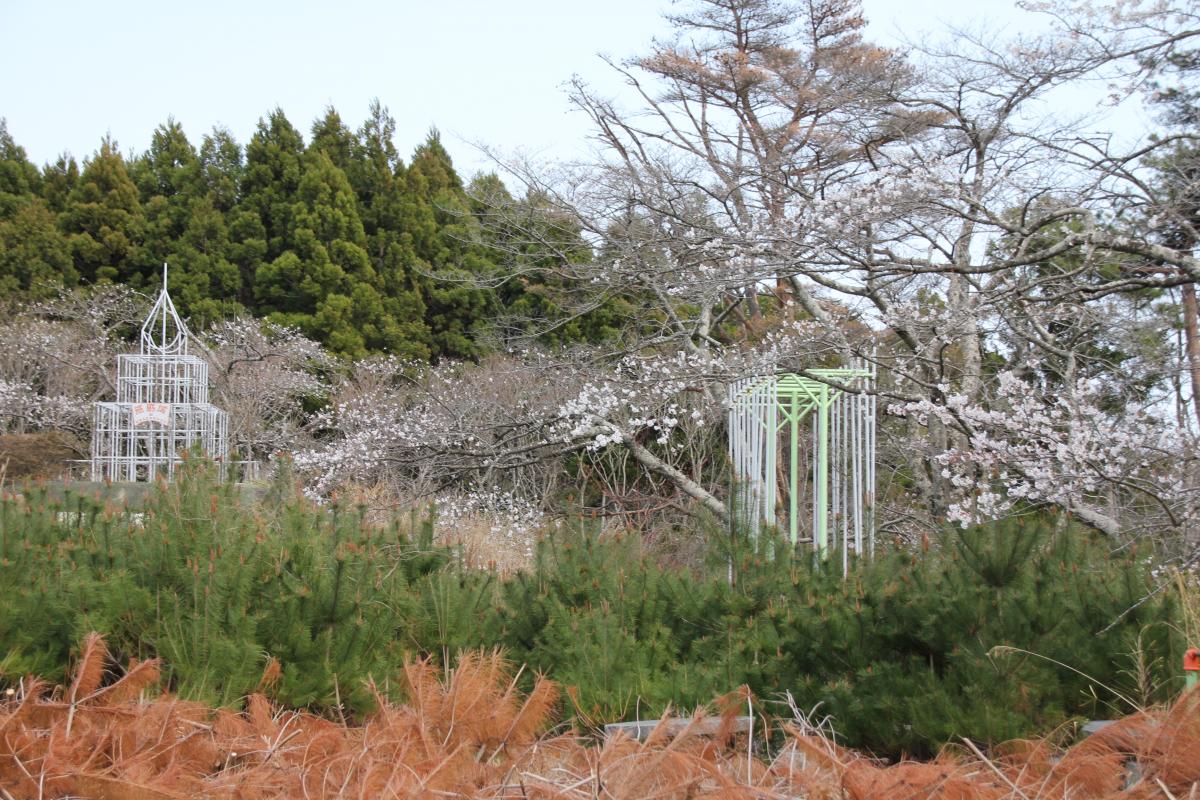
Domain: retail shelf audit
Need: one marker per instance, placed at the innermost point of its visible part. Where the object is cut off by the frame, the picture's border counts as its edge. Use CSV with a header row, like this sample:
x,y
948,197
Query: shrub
x,y
979,637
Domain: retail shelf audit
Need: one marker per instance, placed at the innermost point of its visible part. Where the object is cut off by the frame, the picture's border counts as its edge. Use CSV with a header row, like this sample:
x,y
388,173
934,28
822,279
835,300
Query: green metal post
x,y
794,485
821,534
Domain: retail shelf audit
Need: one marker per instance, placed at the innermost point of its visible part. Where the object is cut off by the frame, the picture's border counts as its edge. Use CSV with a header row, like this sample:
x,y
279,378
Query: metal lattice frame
x,y
162,409
781,470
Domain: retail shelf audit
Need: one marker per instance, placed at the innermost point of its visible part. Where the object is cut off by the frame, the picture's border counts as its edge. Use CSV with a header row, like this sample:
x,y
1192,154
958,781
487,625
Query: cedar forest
x,y
339,239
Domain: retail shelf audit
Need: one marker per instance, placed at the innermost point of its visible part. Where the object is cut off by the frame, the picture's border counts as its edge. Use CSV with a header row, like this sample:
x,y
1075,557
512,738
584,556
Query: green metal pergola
x,y
830,411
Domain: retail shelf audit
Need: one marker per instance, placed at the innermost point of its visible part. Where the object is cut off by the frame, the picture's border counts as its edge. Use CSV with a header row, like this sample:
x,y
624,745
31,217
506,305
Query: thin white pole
x,y
814,421
772,454
871,488
858,466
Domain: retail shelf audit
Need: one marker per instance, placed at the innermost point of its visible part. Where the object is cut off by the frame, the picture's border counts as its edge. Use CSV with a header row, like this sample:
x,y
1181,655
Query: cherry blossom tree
x,y
262,375
933,213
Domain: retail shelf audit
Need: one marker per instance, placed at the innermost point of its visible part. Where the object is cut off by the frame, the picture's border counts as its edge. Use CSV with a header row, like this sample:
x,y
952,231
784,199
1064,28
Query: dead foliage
x,y
469,732
46,454
1152,754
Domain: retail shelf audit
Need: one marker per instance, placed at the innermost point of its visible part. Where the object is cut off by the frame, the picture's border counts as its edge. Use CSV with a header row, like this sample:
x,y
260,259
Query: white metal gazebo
x,y
162,409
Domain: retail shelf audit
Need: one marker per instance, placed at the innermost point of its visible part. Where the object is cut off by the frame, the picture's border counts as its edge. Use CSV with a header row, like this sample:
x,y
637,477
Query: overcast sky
x,y
484,71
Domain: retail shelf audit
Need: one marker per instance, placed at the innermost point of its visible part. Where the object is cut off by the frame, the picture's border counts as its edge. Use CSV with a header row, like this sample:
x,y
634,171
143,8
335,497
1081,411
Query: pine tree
x,y
539,298
323,282
215,283
58,181
221,172
35,259
171,167
168,180
209,283
220,161
331,136
180,193
271,179
19,178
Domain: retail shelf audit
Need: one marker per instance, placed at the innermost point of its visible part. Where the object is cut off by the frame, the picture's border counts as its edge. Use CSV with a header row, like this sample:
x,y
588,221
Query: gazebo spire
x,y
163,332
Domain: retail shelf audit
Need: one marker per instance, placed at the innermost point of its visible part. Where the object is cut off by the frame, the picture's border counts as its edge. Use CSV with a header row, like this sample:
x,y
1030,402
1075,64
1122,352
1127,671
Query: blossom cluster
x,y
1059,448
23,409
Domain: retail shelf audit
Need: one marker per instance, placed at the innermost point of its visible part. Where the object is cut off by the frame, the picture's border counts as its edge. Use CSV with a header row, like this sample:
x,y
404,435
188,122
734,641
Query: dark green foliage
x,y
214,586
902,652
19,179
898,652
35,259
337,237
104,221
450,259
182,193
539,243
387,210
58,181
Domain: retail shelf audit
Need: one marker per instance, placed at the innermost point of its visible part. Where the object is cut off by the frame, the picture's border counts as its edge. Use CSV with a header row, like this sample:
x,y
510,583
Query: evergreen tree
x,y
221,172
331,136
339,238
104,221
271,179
378,178
323,282
19,179
35,258
167,180
537,245
209,282
220,162
446,240
171,167
58,181
183,224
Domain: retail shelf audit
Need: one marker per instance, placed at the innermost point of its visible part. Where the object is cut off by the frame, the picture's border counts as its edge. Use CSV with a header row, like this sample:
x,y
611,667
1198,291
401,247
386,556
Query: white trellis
x,y
803,452
162,409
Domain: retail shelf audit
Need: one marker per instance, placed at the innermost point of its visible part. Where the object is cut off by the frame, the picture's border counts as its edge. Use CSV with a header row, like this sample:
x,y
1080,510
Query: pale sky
x,y
485,71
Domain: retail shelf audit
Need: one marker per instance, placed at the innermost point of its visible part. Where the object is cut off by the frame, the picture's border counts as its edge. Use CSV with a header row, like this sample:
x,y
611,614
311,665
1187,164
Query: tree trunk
x,y
1191,332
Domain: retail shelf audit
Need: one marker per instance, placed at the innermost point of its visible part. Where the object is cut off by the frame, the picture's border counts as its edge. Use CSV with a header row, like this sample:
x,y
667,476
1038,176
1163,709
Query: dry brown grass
x,y
468,732
47,455
482,540
484,544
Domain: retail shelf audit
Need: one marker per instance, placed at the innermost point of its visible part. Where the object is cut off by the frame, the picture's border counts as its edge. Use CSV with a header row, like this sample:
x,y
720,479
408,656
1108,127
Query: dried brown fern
x,y
270,677
535,713
139,676
262,719
469,732
89,671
